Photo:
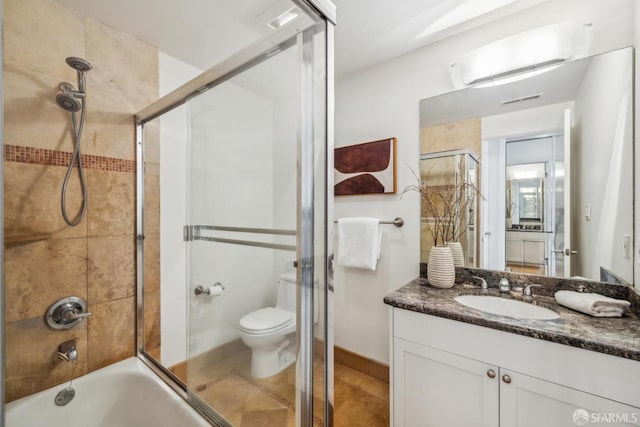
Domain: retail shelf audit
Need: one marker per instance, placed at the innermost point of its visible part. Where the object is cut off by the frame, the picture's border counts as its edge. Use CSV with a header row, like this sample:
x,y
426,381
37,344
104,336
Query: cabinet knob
x,y
491,373
506,378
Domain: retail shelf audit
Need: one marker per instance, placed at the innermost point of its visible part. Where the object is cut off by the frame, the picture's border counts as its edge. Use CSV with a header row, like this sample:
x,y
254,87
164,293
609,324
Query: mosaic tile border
x,y
46,157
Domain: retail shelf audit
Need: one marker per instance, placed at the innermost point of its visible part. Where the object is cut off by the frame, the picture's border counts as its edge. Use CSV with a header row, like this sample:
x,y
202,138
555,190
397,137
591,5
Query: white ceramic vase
x,y
441,272
457,253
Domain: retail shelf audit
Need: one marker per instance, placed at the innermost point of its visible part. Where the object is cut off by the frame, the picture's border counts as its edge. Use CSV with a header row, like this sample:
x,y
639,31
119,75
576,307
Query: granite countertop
x,y
614,336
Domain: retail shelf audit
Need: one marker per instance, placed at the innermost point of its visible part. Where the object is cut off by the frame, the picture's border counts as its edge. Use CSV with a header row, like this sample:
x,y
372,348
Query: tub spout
x,y
67,351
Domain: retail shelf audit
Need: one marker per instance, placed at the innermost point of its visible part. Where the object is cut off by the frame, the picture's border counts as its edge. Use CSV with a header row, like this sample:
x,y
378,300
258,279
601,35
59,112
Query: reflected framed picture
x,y
366,168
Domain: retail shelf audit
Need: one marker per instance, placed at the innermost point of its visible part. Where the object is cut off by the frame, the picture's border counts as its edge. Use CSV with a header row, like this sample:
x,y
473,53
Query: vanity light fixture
x,y
522,55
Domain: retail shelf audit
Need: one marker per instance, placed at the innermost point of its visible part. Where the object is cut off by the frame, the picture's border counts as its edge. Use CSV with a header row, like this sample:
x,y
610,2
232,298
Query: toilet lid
x,y
265,319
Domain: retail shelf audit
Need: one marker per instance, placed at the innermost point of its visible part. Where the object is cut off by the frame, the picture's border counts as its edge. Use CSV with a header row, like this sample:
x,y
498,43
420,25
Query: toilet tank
x,y
287,294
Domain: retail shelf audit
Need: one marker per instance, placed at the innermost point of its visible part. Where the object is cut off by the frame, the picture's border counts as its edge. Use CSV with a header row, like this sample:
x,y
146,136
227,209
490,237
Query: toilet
x,y
270,331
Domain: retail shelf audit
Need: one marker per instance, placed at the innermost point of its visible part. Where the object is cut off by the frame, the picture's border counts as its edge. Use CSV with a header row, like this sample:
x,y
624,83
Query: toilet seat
x,y
266,320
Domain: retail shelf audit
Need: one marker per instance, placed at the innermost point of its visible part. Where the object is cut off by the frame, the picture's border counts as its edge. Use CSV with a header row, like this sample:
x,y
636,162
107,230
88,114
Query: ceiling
x,y
373,31
368,31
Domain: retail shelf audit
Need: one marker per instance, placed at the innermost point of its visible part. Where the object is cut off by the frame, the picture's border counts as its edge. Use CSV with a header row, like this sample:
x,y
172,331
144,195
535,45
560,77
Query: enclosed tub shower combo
x,y
242,333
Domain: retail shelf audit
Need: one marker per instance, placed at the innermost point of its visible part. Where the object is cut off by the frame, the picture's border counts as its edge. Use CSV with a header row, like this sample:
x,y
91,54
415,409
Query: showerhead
x,y
66,87
79,64
68,102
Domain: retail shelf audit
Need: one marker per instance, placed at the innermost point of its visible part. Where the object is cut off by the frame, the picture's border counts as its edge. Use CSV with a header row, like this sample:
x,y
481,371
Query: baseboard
x,y
360,363
355,361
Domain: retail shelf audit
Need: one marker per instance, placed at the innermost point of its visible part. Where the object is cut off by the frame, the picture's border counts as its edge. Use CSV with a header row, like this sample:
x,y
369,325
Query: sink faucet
x,y
504,285
67,351
526,292
483,283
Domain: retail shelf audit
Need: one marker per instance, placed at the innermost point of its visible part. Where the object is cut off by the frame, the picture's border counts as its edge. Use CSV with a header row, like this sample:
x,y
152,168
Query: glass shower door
x,y
256,245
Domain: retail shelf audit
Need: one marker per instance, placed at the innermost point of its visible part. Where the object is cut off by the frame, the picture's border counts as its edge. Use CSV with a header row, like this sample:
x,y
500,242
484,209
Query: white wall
x,y
382,101
603,149
230,176
173,140
525,122
241,173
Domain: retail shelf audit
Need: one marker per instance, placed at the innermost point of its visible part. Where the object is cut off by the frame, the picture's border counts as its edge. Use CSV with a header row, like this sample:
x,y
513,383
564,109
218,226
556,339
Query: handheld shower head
x,y
82,65
68,102
66,87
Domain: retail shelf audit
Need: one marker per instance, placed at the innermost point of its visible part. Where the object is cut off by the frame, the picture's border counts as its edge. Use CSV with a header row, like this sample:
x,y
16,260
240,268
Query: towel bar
x,y
397,221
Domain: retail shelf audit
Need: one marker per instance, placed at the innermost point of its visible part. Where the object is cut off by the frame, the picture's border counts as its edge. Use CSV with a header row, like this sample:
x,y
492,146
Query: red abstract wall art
x,y
367,168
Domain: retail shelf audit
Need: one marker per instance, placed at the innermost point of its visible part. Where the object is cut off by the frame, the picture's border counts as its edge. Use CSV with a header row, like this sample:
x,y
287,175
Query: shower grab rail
x,y
397,221
247,230
193,232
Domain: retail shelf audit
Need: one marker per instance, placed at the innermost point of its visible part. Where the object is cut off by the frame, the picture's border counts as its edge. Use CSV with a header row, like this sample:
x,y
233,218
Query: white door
x,y
562,228
493,205
531,402
433,388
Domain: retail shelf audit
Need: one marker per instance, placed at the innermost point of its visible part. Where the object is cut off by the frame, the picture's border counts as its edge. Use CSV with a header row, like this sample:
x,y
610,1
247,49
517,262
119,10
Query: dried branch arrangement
x,y
445,207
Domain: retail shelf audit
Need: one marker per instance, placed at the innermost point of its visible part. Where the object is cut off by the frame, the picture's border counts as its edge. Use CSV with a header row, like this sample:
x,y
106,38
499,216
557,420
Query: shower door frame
x,y
324,12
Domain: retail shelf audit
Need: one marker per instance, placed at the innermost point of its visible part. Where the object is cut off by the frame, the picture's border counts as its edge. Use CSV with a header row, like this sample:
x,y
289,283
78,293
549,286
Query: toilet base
x,y
268,362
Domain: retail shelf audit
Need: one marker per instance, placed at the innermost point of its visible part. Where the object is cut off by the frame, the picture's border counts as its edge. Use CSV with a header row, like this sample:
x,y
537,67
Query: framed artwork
x,y
367,168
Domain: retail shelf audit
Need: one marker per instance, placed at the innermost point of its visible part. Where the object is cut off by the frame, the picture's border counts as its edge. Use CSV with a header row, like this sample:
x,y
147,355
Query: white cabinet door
x,y
534,251
530,402
433,388
514,249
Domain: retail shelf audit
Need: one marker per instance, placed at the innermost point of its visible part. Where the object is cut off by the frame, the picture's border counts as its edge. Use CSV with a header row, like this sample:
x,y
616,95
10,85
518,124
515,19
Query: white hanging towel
x,y
359,242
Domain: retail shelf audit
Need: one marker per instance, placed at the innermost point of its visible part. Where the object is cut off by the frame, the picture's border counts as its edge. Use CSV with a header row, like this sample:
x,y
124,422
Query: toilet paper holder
x,y
214,290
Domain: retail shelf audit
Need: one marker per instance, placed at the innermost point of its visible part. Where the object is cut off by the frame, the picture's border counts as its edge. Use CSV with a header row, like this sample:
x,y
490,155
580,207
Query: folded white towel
x,y
593,304
359,242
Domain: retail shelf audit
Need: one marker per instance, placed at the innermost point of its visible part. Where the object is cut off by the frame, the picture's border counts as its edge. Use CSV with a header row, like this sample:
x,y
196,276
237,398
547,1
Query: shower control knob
x,y
66,313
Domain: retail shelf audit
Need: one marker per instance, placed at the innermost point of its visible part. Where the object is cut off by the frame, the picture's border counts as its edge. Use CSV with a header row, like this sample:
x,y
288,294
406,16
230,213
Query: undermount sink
x,y
507,307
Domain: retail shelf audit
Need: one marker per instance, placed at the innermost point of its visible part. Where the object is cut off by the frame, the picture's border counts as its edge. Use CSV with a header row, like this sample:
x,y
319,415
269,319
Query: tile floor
x,y
360,400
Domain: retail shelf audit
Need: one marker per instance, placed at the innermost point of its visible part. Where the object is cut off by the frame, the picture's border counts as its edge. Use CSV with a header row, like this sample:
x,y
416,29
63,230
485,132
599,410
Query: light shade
x,y
522,54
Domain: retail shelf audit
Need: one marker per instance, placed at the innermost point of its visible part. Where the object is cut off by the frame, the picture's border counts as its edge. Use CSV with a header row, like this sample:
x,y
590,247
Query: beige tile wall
x,y
452,136
44,258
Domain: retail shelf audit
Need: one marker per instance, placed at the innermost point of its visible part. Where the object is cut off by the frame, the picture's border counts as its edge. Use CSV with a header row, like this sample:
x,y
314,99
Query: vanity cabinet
x,y
435,388
526,247
448,373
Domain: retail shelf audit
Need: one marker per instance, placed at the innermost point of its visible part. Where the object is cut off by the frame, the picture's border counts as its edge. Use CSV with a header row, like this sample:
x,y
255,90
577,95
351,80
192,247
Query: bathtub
x,y
125,394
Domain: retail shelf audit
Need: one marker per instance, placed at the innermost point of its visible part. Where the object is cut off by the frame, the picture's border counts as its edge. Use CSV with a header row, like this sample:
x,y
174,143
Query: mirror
x,y
556,167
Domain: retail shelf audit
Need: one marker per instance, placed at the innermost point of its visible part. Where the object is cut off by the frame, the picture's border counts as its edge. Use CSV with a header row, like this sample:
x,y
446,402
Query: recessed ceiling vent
x,y
522,99
279,14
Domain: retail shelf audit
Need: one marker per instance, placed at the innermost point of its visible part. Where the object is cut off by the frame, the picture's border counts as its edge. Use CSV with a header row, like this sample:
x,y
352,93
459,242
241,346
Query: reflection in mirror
x,y
556,169
450,180
526,195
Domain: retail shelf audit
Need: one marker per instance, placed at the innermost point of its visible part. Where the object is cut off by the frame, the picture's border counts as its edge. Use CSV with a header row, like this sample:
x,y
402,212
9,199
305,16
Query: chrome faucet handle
x,y
504,285
527,295
72,315
483,283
